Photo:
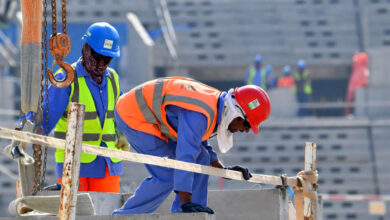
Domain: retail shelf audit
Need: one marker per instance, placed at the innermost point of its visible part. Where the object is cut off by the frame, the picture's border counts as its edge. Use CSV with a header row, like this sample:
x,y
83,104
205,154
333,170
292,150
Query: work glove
x,y
245,172
193,207
122,143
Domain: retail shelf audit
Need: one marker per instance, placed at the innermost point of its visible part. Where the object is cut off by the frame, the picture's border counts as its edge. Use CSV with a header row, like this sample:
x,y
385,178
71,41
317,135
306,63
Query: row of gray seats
x,y
344,161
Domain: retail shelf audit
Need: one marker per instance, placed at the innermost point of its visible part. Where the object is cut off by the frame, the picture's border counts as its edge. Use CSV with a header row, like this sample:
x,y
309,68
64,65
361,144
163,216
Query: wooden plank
x,y
143,158
71,169
310,165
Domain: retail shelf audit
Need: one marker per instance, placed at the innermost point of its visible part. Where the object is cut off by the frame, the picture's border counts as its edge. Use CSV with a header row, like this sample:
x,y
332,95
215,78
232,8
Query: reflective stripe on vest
x,y
152,98
88,137
94,133
91,115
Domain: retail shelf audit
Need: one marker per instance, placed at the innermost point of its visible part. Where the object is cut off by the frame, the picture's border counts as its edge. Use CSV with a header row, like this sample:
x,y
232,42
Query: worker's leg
x,y
199,186
153,190
109,184
307,111
300,100
303,98
83,183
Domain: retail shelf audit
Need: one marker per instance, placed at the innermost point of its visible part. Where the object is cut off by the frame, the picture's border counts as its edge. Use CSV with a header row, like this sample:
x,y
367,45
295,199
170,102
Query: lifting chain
x,y
37,168
37,148
59,46
63,8
46,88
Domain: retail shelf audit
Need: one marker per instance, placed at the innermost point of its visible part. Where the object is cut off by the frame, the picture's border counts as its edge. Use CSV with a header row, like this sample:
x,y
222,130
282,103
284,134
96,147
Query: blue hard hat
x,y
286,70
268,69
103,38
258,58
301,64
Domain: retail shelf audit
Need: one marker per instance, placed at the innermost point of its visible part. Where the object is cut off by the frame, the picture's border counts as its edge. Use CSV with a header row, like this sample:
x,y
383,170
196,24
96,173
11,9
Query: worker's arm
x,y
120,87
122,142
190,127
58,101
214,162
213,155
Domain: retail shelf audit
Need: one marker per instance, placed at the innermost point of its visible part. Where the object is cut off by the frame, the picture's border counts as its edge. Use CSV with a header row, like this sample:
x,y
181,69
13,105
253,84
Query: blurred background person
x,y
271,79
256,75
286,80
302,87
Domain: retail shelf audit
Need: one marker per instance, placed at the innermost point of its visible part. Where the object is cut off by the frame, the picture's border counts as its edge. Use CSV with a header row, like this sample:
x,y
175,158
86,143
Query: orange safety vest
x,y
143,107
286,81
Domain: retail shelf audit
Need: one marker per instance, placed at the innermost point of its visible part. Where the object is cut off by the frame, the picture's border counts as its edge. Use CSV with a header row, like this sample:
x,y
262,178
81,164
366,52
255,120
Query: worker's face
x,y
258,65
101,59
239,124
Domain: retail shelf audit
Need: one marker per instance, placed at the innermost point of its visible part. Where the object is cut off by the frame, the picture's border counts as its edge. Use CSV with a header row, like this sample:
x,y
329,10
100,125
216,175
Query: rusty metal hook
x,y
69,74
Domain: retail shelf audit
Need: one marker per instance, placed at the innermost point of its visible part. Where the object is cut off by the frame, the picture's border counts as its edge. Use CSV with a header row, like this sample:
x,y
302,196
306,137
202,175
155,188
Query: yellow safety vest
x,y
307,87
252,73
93,133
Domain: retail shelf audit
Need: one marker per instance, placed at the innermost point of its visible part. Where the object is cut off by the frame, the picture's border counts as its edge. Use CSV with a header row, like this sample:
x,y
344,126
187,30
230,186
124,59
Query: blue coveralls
x,y
59,100
189,148
257,80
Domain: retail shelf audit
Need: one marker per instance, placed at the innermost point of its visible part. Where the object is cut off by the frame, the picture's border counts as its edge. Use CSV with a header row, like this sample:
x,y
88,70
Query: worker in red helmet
x,y
174,117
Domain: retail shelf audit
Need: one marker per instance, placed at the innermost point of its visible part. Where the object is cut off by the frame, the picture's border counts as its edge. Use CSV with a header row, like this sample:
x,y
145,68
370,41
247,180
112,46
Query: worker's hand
x,y
122,143
193,207
245,172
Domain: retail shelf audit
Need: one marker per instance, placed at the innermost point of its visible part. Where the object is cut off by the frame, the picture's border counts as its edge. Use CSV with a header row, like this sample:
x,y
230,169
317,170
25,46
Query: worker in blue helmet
x,y
287,80
302,87
97,87
271,80
256,75
103,38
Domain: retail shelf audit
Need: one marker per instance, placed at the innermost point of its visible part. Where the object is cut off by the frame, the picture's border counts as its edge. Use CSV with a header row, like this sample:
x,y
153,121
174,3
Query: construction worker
x,y
97,87
287,80
271,80
174,117
256,75
302,87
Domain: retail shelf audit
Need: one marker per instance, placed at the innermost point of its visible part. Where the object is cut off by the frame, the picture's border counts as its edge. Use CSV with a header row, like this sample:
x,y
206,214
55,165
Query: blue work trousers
x,y
303,98
155,189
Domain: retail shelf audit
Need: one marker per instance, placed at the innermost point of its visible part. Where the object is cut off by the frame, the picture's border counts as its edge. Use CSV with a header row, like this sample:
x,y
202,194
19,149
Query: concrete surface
x,y
243,204
176,216
270,204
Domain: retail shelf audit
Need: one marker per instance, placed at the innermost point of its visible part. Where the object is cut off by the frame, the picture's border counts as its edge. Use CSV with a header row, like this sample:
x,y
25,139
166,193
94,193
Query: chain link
x,y
63,16
38,149
37,168
46,88
54,17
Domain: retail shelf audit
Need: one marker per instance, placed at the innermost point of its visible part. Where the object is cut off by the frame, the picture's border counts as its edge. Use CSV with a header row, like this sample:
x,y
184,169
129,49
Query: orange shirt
x,y
286,81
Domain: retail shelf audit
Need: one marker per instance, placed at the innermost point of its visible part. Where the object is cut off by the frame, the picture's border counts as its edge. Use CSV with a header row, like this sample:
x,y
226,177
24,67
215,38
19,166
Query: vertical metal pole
x,y
71,169
310,165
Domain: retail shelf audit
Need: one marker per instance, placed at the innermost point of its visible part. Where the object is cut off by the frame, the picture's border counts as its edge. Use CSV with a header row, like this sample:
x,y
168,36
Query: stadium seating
x,y
344,160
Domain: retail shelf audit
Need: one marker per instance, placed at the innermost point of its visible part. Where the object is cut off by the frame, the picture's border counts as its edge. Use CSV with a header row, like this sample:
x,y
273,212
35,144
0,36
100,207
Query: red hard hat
x,y
255,103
